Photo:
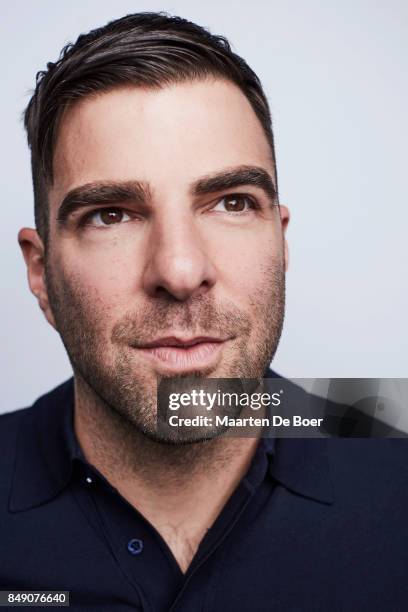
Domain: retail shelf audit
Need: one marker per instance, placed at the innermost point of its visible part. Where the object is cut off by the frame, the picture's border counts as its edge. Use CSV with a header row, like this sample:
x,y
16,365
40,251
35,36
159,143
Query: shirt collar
x,y
302,464
47,448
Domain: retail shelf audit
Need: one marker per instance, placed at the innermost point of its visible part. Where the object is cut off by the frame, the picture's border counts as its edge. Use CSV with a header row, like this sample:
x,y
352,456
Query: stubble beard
x,y
104,367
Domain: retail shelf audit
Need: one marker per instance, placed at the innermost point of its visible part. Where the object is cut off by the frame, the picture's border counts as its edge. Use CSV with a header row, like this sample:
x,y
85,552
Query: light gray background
x,y
335,74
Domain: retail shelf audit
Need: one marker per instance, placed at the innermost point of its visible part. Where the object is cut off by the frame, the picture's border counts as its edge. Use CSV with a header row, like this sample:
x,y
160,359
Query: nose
x,y
178,262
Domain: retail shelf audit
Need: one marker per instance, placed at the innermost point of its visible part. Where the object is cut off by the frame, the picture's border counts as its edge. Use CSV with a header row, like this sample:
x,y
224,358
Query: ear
x,y
285,217
33,252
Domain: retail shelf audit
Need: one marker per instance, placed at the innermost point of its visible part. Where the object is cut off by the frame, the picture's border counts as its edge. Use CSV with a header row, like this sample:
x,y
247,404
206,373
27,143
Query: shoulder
x,y
373,470
9,425
381,454
10,421
30,421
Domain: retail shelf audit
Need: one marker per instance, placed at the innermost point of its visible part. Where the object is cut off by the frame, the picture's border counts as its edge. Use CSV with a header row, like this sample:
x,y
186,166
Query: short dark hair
x,y
144,49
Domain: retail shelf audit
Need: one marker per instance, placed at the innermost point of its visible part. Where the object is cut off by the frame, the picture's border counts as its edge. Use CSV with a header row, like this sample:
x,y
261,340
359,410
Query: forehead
x,y
166,137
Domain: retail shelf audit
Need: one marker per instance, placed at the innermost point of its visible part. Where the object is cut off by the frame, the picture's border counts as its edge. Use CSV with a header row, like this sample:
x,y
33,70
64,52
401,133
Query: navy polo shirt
x,y
315,525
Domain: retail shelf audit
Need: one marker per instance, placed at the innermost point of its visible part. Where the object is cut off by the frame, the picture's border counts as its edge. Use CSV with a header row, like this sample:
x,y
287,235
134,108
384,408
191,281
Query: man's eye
x,y
234,203
106,216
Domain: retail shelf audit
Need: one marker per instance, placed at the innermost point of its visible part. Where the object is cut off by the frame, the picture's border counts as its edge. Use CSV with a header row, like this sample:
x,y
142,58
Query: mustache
x,y
200,317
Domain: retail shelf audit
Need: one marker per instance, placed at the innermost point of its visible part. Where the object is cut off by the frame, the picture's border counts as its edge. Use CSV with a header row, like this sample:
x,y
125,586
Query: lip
x,y
183,354
175,341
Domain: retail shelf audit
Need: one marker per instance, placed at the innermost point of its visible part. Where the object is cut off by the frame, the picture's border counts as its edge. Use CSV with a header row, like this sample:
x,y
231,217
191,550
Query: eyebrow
x,y
237,177
101,193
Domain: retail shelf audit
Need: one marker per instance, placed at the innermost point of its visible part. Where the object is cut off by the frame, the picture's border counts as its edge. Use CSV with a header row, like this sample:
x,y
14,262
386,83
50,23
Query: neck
x,y
180,489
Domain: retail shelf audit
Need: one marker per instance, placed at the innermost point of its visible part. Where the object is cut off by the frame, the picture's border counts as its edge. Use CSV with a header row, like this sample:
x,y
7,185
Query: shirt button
x,y
135,546
88,480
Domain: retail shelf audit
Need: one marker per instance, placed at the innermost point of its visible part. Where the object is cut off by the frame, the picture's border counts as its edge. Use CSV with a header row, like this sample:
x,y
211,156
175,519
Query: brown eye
x,y
234,203
110,216
107,216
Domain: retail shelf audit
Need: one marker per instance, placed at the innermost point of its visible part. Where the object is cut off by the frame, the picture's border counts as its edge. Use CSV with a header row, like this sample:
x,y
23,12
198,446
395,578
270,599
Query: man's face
x,y
166,253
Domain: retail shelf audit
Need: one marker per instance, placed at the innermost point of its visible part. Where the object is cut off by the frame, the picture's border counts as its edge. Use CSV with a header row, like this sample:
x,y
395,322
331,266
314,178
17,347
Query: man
x,y
159,253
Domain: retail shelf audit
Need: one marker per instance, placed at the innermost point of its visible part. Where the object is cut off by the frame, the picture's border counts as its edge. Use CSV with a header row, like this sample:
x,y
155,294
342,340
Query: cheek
x,y
110,272
247,264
